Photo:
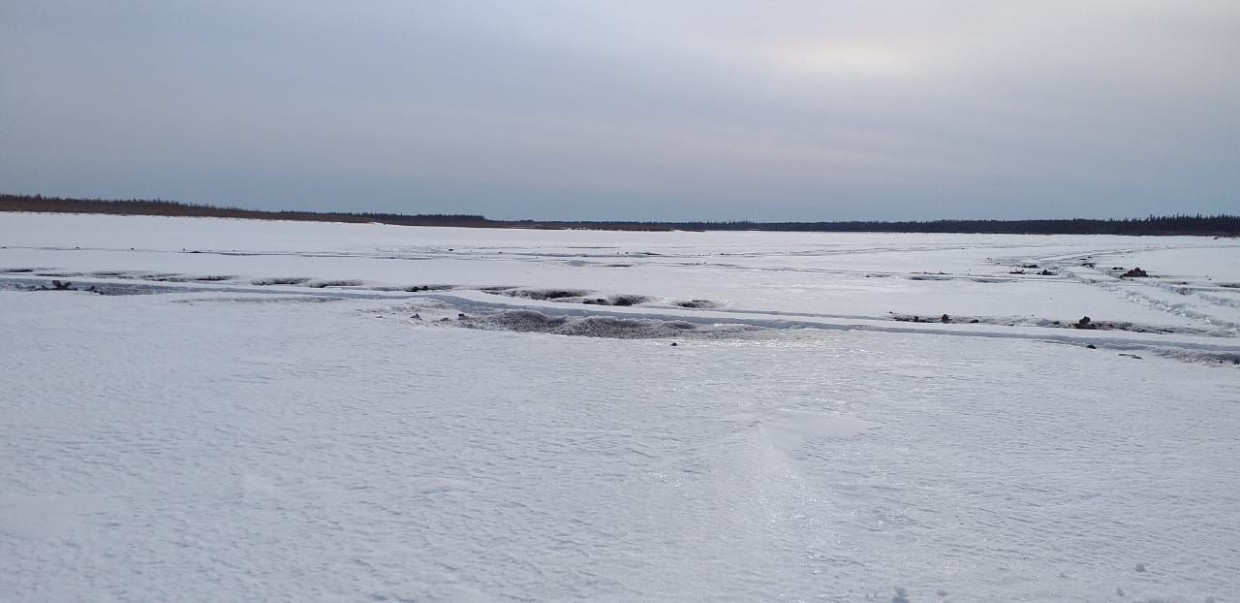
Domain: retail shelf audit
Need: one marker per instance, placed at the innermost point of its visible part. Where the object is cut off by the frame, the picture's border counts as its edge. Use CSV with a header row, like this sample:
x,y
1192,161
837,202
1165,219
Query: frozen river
x,y
203,409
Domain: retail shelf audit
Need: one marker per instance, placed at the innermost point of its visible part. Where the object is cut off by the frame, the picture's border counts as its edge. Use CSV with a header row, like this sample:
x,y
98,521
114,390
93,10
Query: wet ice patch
x,y
543,294
164,277
704,304
261,299
529,321
617,300
101,288
415,288
323,284
187,278
580,296
1084,323
280,280
8,284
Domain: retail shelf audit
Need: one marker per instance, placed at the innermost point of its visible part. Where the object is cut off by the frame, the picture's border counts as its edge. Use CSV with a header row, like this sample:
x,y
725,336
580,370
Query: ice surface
x,y
211,439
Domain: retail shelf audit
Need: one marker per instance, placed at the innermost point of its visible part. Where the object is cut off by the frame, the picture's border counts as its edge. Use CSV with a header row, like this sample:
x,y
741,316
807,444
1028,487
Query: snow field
x,y
218,441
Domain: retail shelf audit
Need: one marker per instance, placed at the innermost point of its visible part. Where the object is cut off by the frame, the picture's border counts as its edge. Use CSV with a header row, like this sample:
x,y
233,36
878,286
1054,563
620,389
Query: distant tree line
x,y
160,207
1179,224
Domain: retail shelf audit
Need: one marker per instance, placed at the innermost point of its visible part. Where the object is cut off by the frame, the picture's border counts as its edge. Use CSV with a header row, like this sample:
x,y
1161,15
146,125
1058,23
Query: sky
x,y
630,109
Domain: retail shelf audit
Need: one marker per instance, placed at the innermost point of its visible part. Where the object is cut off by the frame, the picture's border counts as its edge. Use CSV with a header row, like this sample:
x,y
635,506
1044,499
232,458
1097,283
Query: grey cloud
x,y
716,110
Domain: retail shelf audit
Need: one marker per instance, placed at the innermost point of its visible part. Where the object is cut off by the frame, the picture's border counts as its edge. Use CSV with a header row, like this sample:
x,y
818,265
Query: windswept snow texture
x,y
465,421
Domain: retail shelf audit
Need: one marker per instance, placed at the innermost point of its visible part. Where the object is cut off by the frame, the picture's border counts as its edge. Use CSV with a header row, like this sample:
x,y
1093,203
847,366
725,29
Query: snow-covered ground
x,y
231,410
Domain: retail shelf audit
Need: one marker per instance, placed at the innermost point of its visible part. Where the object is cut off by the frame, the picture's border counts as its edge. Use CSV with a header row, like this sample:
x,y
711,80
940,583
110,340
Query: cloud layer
x,y
726,109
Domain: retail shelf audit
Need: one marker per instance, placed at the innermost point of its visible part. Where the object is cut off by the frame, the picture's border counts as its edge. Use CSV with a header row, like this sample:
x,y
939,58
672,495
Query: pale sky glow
x,y
723,109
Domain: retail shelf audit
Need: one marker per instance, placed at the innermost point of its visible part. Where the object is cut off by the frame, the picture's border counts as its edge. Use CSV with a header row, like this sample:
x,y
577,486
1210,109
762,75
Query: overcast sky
x,y
630,109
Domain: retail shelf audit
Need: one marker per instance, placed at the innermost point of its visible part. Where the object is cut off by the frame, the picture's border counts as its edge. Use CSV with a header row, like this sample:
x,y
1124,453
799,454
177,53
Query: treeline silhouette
x,y
160,207
1179,224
